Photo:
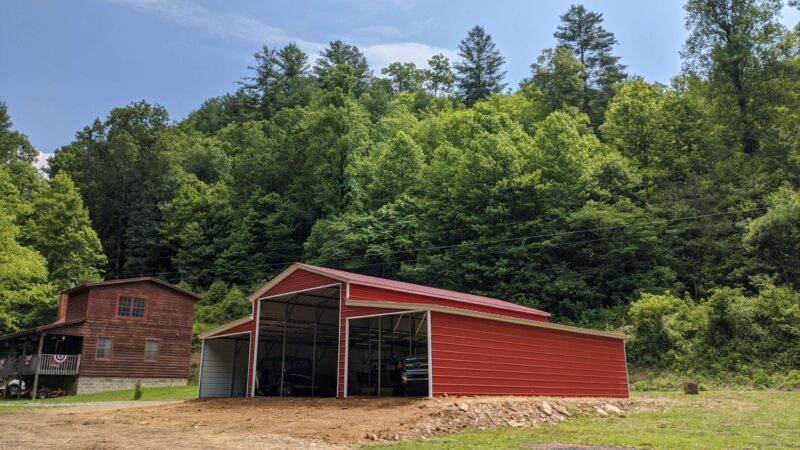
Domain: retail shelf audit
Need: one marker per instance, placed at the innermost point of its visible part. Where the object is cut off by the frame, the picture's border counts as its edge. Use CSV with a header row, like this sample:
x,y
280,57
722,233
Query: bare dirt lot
x,y
285,423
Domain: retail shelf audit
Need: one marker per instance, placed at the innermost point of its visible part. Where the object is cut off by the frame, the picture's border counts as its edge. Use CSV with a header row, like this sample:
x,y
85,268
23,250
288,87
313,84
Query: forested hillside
x,y
669,211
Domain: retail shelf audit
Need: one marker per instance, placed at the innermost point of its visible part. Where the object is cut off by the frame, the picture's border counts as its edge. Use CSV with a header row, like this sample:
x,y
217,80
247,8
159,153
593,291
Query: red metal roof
x,y
39,329
402,286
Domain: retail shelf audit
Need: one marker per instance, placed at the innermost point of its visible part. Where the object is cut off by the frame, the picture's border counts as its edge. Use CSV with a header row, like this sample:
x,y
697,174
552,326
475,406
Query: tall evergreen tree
x,y
582,32
339,54
479,71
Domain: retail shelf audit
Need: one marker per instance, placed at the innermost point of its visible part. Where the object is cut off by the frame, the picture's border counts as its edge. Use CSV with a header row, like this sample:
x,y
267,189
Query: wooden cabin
x,y
107,336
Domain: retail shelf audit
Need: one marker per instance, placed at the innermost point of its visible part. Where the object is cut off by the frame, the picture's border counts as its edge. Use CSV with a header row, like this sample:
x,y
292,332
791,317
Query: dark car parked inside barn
x,y
299,377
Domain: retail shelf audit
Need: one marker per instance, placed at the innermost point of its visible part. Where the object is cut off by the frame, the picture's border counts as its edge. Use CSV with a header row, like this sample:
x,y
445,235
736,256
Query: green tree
x,y
439,77
731,41
14,146
329,65
405,77
582,32
775,236
479,71
398,168
26,297
60,230
557,81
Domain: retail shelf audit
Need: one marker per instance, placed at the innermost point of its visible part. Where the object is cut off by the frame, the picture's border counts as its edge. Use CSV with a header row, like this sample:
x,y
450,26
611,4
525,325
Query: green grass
x,y
148,394
713,420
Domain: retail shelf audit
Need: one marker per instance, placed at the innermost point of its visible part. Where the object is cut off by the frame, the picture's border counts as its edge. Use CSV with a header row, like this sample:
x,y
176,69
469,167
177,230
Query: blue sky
x,y
62,64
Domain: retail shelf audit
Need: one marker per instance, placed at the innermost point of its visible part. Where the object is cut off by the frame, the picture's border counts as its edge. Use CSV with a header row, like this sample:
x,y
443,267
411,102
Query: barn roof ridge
x,y
401,286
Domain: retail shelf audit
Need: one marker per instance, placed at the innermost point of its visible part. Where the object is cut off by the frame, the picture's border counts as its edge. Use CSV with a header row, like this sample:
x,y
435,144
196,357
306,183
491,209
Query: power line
x,y
491,241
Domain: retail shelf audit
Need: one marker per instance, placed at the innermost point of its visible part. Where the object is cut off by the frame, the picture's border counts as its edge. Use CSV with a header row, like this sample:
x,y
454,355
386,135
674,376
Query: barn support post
x,y
314,358
38,365
380,355
283,346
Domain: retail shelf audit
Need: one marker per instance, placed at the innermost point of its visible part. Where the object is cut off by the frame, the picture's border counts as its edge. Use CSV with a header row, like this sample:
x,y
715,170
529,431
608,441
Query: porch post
x,y
38,365
24,354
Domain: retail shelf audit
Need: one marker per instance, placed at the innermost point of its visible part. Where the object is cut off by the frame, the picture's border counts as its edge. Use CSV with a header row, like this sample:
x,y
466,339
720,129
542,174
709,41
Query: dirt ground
x,y
283,423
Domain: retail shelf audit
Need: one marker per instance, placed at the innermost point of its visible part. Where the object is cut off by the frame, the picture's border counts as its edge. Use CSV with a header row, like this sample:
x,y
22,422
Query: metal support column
x,y
283,348
380,355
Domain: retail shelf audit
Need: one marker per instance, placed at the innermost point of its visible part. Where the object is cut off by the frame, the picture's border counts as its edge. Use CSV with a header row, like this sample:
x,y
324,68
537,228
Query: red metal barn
x,y
330,332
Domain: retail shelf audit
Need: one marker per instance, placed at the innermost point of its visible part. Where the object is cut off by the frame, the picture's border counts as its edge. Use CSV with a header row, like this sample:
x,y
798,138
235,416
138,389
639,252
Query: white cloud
x,y
41,160
381,55
236,26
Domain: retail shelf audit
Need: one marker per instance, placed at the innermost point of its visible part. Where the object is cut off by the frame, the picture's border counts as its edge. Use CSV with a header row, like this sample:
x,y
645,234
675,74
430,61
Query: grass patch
x,y
148,394
713,420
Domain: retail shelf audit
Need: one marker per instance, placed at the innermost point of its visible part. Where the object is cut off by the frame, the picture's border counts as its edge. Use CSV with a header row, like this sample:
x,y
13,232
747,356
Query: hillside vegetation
x,y
670,212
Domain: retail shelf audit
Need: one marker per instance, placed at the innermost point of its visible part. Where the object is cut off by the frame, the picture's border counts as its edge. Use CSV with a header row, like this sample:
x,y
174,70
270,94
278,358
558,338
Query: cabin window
x,y
103,348
130,307
151,350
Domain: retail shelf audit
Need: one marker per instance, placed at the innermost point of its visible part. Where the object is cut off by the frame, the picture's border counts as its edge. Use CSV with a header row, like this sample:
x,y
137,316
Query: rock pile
x,y
450,415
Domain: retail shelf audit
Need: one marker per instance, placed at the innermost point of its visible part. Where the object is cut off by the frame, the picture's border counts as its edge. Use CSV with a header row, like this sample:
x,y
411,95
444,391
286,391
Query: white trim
x,y
393,313
430,357
346,356
290,270
254,353
200,374
338,283
479,315
224,327
230,334
339,348
627,380
347,339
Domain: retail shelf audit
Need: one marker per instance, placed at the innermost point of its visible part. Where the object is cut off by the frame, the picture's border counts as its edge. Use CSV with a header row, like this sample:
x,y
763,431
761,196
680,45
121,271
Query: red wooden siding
x,y
167,318
474,356
298,281
358,292
76,305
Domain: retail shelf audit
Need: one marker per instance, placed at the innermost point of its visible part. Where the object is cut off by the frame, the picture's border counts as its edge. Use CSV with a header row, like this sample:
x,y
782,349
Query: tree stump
x,y
691,387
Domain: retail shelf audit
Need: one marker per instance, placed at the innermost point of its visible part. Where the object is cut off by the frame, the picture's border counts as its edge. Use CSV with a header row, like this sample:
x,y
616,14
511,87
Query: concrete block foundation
x,y
89,385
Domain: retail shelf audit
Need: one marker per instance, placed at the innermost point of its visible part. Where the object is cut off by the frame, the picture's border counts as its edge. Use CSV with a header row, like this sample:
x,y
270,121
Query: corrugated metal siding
x,y
298,281
358,292
218,367
474,356
243,328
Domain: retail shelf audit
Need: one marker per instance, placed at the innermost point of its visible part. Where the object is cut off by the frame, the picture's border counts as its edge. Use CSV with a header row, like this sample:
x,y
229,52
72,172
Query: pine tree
x,y
479,72
339,54
582,32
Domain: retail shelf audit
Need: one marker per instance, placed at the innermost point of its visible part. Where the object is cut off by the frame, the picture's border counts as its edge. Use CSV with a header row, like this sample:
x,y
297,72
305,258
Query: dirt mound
x,y
287,422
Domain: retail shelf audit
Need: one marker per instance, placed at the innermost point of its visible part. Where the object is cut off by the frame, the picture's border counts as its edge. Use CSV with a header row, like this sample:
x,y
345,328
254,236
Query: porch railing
x,y
8,367
49,364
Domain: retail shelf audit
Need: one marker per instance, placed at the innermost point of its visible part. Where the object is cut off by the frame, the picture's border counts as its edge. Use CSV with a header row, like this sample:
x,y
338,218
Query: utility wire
x,y
491,241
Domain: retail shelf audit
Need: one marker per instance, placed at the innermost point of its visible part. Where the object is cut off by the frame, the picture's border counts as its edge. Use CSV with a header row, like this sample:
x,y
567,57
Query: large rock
x,y
562,410
546,408
611,408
